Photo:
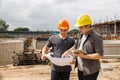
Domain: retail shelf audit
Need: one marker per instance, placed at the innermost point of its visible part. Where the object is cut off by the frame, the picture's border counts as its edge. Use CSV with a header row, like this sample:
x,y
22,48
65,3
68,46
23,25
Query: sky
x,y
44,15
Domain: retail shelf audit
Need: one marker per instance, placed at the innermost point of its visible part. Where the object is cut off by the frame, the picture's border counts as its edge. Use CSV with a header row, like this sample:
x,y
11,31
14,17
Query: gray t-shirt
x,y
59,46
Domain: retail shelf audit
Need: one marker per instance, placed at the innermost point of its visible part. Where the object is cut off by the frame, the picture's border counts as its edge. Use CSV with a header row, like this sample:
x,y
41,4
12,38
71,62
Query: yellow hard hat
x,y
83,20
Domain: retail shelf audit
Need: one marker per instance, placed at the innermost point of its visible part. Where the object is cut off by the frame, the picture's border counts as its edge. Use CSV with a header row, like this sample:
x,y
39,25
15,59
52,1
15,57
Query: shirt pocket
x,y
89,47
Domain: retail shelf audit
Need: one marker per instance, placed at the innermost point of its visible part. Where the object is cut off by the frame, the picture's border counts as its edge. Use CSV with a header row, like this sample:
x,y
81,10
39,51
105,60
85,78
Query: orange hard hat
x,y
63,24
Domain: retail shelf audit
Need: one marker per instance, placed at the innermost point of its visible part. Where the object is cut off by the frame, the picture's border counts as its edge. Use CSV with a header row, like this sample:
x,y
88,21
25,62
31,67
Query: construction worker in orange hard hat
x,y
60,44
63,24
63,27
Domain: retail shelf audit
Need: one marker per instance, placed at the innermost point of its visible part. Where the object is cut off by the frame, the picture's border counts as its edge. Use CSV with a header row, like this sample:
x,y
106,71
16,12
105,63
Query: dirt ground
x,y
42,72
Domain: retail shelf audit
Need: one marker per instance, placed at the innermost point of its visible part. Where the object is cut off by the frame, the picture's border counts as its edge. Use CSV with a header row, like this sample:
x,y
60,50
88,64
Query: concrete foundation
x,y
111,48
6,49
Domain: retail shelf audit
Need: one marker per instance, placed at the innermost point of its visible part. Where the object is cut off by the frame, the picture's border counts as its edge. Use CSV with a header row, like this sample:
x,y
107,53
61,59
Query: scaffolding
x,y
109,30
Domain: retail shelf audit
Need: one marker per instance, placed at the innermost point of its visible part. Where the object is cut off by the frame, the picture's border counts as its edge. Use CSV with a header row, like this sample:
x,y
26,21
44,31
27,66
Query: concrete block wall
x,y
112,47
6,50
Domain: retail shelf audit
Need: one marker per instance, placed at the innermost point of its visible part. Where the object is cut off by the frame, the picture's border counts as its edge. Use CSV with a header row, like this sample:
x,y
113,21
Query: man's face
x,y
84,29
63,32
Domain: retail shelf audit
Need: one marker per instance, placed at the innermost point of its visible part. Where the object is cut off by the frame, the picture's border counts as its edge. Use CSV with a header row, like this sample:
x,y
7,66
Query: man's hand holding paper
x,y
60,61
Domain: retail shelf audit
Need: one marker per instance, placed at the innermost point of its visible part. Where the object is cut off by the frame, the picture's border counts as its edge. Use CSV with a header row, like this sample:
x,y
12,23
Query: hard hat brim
x,y
77,25
62,28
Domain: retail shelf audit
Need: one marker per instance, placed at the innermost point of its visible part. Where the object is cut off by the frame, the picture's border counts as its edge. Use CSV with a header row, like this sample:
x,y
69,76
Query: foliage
x,y
74,31
4,36
3,25
21,29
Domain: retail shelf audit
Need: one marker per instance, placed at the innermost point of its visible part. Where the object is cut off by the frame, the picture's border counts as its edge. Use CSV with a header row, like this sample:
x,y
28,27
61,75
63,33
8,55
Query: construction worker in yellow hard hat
x,y
91,44
83,20
60,44
84,23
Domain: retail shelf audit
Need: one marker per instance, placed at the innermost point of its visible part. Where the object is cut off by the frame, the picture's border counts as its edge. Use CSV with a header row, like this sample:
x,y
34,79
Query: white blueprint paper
x,y
60,61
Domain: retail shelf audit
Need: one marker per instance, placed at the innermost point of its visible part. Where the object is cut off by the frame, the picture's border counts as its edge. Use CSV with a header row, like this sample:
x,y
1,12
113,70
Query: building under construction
x,y
109,30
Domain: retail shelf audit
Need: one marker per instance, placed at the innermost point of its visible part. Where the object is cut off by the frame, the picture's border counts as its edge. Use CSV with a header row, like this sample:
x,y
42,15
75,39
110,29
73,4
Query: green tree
x,y
3,25
21,29
74,32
